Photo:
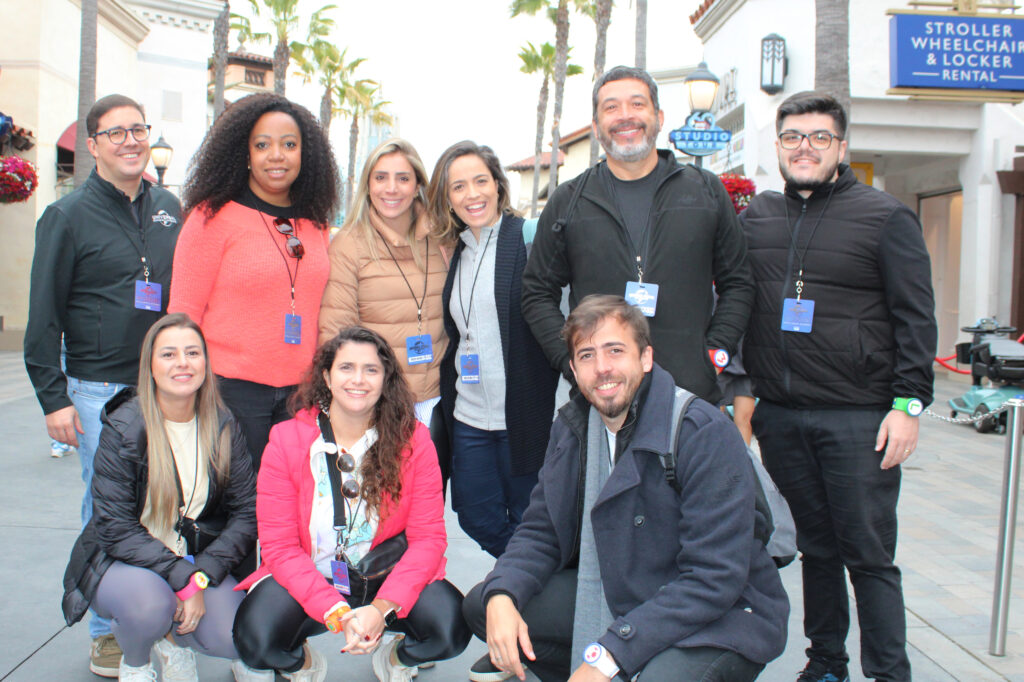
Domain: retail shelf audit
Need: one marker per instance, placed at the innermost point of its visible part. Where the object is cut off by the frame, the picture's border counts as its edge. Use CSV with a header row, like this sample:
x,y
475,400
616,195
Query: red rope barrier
x,y
952,368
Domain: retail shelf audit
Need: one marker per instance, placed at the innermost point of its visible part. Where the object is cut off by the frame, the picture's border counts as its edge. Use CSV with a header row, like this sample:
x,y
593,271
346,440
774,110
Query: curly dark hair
x,y
219,172
394,415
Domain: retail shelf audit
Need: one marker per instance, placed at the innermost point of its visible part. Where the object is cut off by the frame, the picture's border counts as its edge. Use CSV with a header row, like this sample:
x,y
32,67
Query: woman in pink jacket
x,y
354,402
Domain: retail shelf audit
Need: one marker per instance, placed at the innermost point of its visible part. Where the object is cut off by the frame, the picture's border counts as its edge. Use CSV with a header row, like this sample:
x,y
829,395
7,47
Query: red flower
x,y
741,189
18,179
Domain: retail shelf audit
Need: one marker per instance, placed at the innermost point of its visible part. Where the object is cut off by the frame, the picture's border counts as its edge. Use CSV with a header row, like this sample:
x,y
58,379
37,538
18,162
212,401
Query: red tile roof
x,y
527,163
701,11
574,136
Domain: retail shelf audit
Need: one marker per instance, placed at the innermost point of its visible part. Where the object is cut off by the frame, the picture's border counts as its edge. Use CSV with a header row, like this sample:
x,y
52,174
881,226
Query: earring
x,y
323,407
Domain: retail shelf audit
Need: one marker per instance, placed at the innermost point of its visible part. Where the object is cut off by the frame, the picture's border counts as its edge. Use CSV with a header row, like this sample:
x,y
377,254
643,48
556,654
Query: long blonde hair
x,y
214,445
358,218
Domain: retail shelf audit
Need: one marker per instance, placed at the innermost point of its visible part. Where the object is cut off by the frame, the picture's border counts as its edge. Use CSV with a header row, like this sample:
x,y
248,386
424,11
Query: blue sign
x,y
700,136
950,51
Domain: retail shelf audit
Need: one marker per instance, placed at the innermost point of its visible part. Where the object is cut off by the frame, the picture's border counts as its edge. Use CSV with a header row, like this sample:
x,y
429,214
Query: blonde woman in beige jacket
x,y
387,274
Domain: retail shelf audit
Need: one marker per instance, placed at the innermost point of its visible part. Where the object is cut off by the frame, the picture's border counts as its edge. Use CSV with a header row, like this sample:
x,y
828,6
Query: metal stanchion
x,y
1007,527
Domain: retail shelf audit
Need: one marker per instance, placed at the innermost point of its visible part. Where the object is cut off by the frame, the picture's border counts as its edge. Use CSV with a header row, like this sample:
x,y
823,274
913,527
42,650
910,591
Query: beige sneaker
x,y
316,670
105,656
177,663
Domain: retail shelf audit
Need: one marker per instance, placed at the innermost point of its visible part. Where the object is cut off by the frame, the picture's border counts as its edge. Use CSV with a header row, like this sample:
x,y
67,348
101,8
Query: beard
x,y
614,406
824,177
628,153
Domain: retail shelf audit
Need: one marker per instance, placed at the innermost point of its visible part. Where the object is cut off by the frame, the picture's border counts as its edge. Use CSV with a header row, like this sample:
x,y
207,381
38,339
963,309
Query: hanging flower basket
x,y
740,188
18,179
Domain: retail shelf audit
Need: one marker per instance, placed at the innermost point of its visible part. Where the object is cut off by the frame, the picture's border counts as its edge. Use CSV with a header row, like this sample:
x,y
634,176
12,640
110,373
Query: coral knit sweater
x,y
230,276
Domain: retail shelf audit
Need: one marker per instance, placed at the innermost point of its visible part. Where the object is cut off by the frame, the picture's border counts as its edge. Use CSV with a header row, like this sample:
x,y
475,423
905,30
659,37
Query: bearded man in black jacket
x,y
840,350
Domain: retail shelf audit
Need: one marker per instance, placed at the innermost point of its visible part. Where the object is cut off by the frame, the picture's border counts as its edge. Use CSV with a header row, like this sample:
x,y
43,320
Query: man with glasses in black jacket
x,y
840,350
101,275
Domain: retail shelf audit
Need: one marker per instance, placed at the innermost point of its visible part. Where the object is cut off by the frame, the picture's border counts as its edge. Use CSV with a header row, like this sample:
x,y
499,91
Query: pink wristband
x,y
196,583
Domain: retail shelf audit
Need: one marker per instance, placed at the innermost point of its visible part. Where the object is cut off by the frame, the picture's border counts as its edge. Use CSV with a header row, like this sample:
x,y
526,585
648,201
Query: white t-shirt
x,y
195,484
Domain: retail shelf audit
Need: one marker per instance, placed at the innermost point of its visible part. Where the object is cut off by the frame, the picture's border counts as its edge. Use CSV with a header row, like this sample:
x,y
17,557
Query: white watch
x,y
597,656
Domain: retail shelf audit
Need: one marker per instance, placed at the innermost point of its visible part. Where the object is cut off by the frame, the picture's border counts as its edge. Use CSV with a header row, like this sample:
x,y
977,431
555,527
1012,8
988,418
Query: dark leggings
x,y
140,605
256,408
550,616
271,627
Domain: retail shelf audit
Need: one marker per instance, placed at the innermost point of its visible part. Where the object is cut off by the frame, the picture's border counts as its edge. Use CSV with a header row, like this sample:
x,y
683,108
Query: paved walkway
x,y
949,514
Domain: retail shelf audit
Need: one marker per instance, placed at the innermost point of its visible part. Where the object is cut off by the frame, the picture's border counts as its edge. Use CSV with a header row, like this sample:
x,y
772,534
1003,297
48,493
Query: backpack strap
x,y
563,222
680,403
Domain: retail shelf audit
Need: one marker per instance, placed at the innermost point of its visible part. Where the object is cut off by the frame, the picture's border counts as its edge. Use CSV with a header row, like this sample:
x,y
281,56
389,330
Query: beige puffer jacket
x,y
375,295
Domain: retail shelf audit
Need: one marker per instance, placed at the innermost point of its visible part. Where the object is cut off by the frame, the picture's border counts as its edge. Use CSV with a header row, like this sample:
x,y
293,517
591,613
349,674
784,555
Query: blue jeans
x,y
489,500
844,505
89,397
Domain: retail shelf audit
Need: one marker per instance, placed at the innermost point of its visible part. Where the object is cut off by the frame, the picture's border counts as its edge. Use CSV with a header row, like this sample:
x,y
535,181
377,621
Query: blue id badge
x,y
419,349
797,315
644,296
339,574
469,364
147,295
293,329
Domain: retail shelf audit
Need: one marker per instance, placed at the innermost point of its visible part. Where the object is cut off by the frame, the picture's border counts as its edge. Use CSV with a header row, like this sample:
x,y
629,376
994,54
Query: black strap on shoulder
x,y
332,470
563,222
680,403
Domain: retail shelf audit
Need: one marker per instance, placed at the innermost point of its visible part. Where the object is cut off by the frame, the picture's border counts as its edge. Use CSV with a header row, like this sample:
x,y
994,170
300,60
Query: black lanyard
x,y
799,284
426,270
291,278
144,251
182,507
472,288
642,252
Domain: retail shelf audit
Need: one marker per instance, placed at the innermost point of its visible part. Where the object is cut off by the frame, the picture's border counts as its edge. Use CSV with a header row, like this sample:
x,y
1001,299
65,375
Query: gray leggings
x,y
141,605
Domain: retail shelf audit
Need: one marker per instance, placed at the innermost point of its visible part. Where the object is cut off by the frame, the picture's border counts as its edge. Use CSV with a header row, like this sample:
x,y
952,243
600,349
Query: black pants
x,y
844,505
271,627
550,617
256,407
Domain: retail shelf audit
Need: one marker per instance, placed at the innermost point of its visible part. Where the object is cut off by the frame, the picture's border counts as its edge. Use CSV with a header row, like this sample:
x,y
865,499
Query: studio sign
x,y
963,52
700,136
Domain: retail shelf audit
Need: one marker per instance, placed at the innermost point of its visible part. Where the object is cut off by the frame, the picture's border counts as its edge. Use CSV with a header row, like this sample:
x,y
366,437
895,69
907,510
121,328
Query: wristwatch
x,y
390,616
912,406
597,656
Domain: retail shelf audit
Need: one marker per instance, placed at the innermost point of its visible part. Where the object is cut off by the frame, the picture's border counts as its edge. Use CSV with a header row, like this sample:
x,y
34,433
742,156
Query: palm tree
x,y
220,57
324,61
541,61
86,89
832,49
641,34
361,101
559,12
284,19
602,15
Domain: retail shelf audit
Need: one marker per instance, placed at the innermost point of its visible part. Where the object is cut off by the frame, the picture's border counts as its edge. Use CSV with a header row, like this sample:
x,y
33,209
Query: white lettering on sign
x,y
966,51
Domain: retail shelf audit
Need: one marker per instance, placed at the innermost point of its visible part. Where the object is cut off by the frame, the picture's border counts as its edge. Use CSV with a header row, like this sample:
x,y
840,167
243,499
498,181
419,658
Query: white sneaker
x,y
244,673
57,451
388,670
177,663
317,670
129,673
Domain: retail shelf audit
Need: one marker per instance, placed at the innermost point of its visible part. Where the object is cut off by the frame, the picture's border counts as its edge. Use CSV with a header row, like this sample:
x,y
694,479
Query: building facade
x,y
940,157
154,51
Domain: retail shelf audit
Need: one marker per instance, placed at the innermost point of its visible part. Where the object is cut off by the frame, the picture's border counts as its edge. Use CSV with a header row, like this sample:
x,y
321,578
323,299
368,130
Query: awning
x,y
67,141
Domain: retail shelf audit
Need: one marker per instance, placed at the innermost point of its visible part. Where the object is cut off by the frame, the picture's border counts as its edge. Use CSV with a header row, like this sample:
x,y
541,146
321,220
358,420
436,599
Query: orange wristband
x,y
333,620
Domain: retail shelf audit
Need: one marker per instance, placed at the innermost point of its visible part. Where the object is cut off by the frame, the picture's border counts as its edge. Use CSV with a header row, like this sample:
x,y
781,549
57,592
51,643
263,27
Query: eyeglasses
x,y
118,135
295,248
819,139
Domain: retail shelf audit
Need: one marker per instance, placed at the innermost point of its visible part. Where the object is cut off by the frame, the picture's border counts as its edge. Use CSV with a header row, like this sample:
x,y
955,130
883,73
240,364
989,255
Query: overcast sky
x,y
451,67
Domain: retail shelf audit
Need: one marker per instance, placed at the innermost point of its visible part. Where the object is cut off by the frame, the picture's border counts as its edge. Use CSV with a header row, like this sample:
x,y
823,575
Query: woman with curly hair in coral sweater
x,y
251,262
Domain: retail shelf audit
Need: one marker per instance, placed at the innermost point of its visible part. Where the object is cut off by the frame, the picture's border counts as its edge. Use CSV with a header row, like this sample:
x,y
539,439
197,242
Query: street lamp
x,y
703,87
161,152
699,136
773,63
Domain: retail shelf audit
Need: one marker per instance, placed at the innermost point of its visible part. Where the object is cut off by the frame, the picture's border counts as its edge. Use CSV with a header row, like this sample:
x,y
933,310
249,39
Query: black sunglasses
x,y
295,248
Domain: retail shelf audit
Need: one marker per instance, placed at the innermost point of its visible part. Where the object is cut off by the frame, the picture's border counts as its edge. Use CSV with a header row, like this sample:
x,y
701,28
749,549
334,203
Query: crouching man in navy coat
x,y
612,573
